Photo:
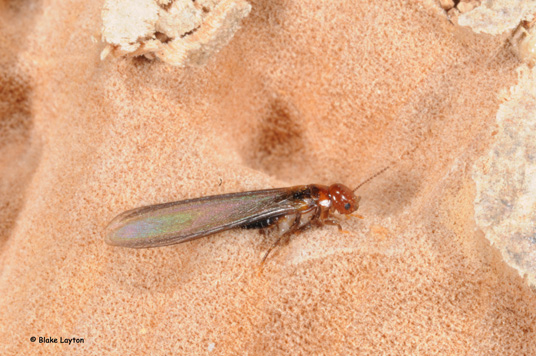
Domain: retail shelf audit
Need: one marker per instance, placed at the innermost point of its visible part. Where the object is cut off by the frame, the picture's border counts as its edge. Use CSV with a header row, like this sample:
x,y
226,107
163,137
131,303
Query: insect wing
x,y
171,223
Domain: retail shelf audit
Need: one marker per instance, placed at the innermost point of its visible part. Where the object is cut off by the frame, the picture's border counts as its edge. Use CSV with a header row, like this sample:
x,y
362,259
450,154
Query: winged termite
x,y
286,209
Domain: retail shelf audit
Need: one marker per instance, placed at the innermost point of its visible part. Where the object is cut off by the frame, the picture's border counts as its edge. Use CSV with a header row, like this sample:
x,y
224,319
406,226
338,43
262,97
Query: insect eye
x,y
347,206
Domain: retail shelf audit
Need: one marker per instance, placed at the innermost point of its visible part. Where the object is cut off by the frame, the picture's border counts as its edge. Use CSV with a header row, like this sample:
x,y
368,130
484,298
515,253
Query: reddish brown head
x,y
343,199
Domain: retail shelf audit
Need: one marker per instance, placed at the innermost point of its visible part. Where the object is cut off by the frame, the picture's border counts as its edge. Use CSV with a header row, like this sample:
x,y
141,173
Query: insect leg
x,y
270,249
334,222
287,225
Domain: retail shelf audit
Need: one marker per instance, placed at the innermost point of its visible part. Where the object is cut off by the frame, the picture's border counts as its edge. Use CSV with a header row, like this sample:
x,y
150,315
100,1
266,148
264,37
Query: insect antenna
x,y
371,178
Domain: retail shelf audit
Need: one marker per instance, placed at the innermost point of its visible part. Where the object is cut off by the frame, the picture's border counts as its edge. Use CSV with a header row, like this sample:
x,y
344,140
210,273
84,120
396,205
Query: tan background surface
x,y
306,92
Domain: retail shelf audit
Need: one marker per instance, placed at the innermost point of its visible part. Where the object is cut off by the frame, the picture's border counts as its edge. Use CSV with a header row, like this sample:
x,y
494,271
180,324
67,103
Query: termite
x,y
285,209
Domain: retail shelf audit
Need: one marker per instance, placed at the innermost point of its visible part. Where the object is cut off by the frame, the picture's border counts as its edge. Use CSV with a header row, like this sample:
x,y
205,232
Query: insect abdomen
x,y
261,224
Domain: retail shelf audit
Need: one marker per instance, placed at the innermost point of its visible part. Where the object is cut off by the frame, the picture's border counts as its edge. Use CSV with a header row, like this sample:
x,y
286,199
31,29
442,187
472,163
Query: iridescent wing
x,y
181,221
